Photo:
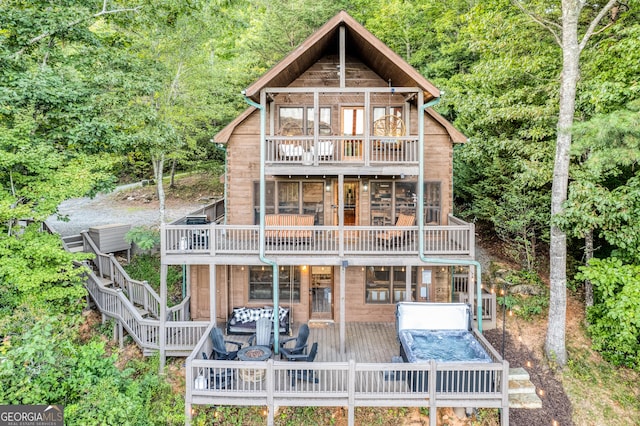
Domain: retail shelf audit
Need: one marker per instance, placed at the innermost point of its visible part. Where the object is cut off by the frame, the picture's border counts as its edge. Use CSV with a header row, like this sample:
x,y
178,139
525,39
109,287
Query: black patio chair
x,y
220,346
219,378
306,375
300,342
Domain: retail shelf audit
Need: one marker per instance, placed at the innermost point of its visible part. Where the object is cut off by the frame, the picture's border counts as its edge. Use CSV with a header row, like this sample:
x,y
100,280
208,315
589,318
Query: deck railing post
x,y
188,387
270,393
433,404
504,412
351,392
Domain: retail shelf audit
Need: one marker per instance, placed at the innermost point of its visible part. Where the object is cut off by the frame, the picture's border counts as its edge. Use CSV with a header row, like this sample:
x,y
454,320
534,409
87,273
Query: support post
x,y
212,293
351,390
343,310
163,318
433,404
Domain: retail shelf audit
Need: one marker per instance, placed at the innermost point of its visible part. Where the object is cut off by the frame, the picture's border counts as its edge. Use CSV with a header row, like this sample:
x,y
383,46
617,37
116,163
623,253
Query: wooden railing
x,y
273,383
317,240
489,308
181,336
308,150
139,292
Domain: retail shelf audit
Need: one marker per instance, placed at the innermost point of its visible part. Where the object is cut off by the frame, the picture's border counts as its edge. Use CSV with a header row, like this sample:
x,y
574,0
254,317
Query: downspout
x,y
274,265
421,111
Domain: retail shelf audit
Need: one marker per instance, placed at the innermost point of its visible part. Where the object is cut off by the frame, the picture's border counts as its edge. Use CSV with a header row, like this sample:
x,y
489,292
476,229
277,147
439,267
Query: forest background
x,y
95,92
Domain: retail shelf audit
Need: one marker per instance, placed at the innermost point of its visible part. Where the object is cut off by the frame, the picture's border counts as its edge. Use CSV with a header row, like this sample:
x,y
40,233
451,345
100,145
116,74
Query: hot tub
x,y
441,345
442,332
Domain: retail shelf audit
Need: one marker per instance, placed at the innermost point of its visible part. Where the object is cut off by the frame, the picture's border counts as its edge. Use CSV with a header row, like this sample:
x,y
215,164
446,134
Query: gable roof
x,y
372,52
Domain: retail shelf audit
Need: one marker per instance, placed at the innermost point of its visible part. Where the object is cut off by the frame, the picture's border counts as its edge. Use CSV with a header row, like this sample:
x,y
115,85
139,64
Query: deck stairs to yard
x,y
134,305
522,393
73,243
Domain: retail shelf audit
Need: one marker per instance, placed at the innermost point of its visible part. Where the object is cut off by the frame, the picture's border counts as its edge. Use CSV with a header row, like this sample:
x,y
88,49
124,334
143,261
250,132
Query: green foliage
x,y
143,236
36,271
615,318
147,267
532,297
46,365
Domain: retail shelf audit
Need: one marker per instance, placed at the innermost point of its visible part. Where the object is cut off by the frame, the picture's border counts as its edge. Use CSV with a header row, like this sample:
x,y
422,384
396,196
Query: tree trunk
x,y
172,182
158,165
588,255
555,348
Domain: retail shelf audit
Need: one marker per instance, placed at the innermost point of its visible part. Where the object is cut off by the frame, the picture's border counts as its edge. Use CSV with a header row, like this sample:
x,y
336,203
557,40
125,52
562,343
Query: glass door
x,y
350,202
352,124
320,294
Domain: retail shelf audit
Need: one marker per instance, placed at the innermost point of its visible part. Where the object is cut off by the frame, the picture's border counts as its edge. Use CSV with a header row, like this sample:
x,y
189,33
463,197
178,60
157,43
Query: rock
x,y
528,289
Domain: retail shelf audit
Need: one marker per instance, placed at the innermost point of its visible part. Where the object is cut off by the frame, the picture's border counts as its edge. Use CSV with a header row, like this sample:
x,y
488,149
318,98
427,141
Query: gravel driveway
x,y
105,209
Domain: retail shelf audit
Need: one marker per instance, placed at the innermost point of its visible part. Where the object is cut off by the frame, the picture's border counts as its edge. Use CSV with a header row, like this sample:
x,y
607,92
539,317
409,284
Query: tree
x,y
607,149
566,35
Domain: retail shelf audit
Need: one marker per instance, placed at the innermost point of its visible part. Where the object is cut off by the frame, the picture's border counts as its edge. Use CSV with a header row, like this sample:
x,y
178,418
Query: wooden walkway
x,y
364,341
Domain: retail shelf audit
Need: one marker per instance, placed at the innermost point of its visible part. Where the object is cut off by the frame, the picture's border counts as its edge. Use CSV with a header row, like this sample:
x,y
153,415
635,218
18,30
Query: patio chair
x,y
262,336
300,342
219,378
220,346
393,237
306,375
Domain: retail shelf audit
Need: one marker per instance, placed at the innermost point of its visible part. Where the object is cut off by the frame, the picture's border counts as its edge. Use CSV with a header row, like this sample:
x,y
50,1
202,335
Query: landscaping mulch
x,y
556,406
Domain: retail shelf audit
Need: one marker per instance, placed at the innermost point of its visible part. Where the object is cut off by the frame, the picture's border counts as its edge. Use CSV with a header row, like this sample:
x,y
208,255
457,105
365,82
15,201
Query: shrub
x,y
614,320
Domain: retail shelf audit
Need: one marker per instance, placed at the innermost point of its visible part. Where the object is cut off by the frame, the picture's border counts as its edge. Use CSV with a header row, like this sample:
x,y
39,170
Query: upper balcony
x,y
352,154
240,244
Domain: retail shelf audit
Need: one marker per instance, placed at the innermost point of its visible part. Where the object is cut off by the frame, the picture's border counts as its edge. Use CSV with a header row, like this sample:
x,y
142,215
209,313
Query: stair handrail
x,y
93,248
125,312
181,311
150,299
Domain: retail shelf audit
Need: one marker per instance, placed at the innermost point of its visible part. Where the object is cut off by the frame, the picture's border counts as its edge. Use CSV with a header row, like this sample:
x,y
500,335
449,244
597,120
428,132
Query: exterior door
x,y
350,202
321,293
352,124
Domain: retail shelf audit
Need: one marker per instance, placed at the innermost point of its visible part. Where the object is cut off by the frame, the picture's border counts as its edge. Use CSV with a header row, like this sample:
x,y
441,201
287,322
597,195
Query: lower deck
x,y
374,342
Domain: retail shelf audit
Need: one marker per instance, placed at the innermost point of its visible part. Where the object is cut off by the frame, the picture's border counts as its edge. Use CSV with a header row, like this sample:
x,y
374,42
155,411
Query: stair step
x,y
518,374
521,386
525,400
143,312
105,281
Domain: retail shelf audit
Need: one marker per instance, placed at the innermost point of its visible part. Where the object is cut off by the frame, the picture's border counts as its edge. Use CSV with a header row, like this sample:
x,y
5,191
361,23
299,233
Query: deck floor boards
x,y
364,341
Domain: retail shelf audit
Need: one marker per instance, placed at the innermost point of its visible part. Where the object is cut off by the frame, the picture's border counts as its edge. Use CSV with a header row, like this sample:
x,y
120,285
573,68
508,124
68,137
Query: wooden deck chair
x,y
393,237
305,235
262,336
288,220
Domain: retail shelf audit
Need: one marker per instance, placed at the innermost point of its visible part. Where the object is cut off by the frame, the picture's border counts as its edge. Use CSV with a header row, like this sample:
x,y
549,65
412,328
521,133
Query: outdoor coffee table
x,y
253,353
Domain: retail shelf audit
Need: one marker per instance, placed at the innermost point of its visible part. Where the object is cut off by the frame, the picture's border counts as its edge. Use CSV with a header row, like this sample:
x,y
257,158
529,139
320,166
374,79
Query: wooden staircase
x,y
522,393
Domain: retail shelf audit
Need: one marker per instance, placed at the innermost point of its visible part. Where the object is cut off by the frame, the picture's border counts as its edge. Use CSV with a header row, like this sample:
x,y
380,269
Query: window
x,y
289,197
270,199
378,284
379,112
399,283
300,121
352,121
289,200
386,284
261,283
390,199
313,200
432,205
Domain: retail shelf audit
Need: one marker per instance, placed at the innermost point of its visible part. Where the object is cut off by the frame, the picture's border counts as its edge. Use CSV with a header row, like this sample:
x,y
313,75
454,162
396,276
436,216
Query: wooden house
x,y
340,178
